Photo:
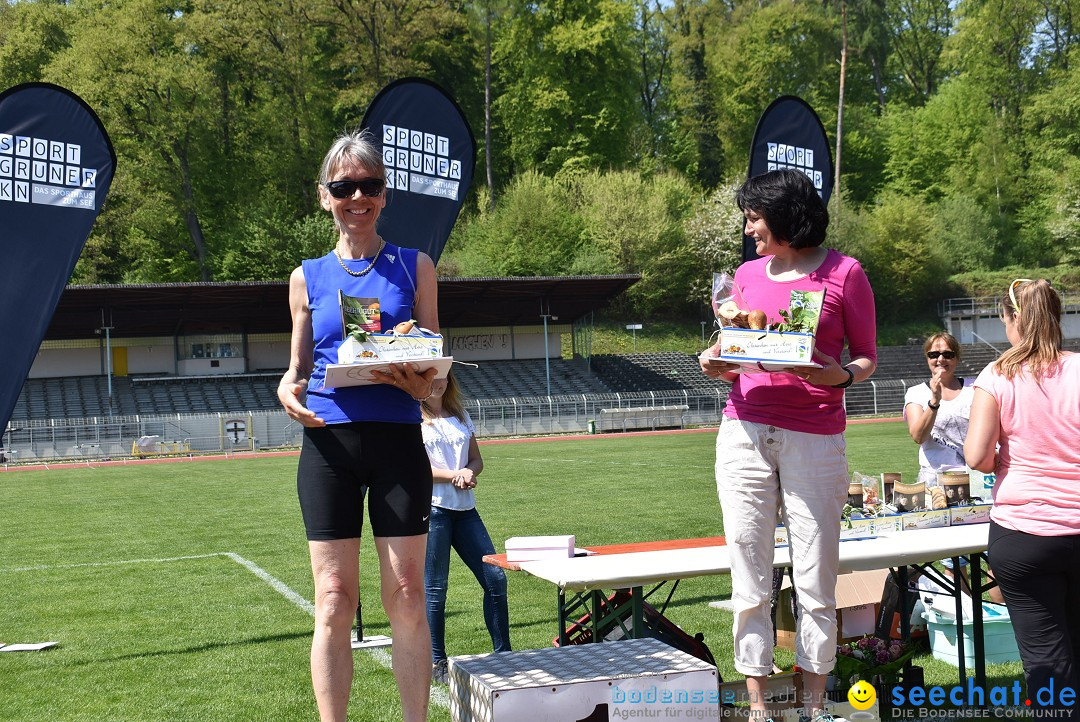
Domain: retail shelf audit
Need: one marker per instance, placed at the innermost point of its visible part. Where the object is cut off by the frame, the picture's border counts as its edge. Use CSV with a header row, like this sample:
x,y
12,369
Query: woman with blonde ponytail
x,y
1025,427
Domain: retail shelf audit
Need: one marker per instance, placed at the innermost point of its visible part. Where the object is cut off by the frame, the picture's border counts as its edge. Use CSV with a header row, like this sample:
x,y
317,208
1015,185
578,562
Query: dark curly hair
x,y
790,205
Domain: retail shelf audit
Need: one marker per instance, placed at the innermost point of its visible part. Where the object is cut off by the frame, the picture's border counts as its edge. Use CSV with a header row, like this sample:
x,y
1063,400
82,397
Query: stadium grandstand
x,y
194,367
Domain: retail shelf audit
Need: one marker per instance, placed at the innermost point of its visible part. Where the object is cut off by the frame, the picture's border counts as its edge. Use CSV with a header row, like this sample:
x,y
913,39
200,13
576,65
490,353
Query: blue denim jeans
x,y
465,532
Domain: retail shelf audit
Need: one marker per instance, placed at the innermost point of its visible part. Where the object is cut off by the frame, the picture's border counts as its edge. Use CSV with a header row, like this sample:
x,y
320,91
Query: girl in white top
x,y
450,439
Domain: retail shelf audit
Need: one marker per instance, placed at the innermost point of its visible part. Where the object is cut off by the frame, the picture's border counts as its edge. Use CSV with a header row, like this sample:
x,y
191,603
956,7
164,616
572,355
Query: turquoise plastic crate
x,y
1000,642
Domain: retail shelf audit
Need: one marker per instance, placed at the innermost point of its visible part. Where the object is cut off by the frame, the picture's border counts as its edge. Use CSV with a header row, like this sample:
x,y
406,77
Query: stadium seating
x,y
88,397
528,377
652,372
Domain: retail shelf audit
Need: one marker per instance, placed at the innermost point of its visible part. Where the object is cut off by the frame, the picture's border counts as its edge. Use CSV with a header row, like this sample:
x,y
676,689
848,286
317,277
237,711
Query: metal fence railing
x,y
42,440
989,305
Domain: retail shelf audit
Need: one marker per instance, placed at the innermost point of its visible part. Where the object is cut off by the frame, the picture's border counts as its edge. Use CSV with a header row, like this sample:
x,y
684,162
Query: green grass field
x,y
182,591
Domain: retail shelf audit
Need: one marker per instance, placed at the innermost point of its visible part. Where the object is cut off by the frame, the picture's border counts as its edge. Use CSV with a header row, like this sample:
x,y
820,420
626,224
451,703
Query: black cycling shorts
x,y
339,463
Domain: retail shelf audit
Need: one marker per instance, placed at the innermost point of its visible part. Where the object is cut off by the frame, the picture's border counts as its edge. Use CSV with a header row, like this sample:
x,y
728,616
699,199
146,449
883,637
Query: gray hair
x,y
358,146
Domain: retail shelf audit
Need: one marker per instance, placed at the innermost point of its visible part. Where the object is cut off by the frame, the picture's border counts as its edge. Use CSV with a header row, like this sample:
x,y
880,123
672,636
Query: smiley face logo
x,y
862,695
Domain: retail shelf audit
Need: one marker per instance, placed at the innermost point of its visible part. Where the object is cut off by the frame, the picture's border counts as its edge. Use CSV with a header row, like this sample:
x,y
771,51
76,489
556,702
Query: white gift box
x,y
390,347
532,548
357,359
768,348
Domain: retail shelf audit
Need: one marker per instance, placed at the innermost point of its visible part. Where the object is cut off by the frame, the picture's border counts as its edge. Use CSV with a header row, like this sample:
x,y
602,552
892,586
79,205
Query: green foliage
x,y
995,283
565,102
638,223
918,30
599,223
31,33
966,112
966,232
691,136
272,251
798,320
777,49
864,155
714,239
925,145
905,265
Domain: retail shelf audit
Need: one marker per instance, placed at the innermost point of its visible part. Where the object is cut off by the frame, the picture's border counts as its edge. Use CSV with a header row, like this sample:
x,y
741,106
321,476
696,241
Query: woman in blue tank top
x,y
362,440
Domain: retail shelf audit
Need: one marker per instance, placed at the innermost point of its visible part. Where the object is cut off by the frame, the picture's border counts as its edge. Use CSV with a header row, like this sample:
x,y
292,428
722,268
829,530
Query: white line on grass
x,y
438,695
276,584
42,567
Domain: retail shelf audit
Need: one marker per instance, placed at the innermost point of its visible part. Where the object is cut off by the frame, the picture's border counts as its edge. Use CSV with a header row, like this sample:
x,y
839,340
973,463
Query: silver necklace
x,y
366,271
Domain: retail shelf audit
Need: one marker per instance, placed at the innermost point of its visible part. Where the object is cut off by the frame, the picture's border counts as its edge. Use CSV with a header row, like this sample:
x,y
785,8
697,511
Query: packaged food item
x,y
956,487
909,497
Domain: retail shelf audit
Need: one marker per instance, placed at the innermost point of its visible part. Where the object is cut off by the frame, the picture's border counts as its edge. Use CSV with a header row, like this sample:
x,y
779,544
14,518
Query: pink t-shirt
x,y
1037,490
783,399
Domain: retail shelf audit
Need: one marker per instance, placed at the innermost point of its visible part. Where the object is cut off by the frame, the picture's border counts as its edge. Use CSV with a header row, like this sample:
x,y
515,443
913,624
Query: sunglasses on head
x,y
947,355
371,187
1012,291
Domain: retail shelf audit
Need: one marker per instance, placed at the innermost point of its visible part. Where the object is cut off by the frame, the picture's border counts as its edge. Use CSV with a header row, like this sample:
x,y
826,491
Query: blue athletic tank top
x,y
392,283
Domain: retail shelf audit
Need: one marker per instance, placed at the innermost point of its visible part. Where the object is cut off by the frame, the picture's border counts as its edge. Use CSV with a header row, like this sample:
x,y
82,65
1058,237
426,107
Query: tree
x,y
1050,220
653,53
381,40
696,146
776,50
533,231
566,104
906,266
714,237
31,33
919,29
993,47
150,91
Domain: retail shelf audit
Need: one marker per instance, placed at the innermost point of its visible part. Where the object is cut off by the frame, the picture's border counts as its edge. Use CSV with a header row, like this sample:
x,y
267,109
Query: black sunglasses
x,y
947,355
371,187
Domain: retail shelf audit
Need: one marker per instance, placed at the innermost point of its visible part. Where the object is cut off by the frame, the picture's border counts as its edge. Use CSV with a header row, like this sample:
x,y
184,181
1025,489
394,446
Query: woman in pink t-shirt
x,y
781,443
1028,401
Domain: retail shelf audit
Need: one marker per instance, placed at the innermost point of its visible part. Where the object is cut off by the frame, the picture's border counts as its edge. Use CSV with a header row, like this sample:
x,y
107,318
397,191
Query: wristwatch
x,y
933,407
849,382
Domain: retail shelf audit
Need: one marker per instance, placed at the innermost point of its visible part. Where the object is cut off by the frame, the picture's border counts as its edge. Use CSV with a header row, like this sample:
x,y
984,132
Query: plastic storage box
x,y
1000,642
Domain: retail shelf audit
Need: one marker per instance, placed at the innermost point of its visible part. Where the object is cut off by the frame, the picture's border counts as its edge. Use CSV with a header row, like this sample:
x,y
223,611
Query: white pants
x,y
762,470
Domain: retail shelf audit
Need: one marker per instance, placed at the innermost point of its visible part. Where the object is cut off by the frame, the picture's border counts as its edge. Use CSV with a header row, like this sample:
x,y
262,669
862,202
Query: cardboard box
x,y
634,677
770,349
856,528
974,514
858,600
533,548
889,523
389,347
926,519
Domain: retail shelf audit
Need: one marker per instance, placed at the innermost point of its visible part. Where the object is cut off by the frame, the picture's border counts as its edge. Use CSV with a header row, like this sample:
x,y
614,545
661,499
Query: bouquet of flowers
x,y
870,657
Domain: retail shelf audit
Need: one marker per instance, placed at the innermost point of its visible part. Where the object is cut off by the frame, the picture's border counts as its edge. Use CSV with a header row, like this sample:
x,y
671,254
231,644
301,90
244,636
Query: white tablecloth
x,y
617,571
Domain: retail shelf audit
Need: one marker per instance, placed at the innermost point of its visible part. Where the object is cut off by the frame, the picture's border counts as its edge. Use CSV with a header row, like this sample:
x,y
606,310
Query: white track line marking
x,y
438,695
276,584
43,567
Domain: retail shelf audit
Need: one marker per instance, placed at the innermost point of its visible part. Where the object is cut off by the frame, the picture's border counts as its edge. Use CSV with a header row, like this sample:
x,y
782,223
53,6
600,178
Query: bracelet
x,y
429,393
933,407
849,382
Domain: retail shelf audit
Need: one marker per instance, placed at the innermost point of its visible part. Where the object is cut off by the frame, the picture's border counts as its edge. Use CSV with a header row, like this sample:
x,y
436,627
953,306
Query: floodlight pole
x,y
547,356
108,358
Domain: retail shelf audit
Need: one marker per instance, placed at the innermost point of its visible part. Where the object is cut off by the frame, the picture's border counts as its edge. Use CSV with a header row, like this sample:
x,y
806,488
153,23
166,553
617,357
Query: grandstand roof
x,y
166,309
